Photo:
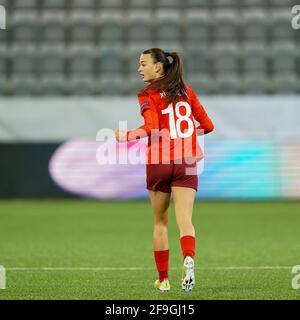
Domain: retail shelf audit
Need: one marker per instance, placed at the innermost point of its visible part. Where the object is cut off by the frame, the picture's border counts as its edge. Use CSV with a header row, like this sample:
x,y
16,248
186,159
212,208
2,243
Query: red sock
x,y
162,263
188,246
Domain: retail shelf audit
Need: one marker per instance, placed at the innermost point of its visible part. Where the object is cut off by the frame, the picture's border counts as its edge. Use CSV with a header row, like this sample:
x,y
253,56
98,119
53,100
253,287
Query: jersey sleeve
x,y
200,114
151,122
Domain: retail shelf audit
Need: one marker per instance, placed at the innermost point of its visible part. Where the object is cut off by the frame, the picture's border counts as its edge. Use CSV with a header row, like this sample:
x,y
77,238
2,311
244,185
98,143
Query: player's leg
x,y
183,203
160,204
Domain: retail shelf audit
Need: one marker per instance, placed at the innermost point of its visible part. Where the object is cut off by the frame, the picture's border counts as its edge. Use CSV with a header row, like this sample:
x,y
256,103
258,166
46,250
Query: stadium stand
x,y
81,26
52,85
55,4
167,26
198,4
228,46
111,85
3,58
139,25
197,26
255,58
110,26
194,65
25,26
26,4
254,26
53,27
145,4
51,59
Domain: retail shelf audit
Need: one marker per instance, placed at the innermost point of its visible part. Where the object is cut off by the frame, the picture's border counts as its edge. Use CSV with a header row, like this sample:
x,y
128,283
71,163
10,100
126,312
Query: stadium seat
x,y
3,37
133,52
285,83
283,57
225,24
229,83
133,85
110,85
26,4
281,24
201,83
226,3
81,59
3,59
254,84
23,59
197,26
134,4
22,85
82,26
192,4
25,26
167,25
111,24
110,59
254,58
54,4
53,26
5,3
111,4
283,3
52,85
254,25
226,57
51,59
139,25
298,57
81,85
196,59
254,3
3,85
83,4
167,4
169,46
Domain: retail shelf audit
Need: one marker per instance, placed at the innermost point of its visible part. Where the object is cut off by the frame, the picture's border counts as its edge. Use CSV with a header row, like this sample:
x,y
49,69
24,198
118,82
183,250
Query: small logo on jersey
x,y
162,94
144,104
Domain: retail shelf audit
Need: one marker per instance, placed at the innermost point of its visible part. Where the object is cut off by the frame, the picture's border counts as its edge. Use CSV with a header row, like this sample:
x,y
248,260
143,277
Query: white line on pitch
x,y
140,268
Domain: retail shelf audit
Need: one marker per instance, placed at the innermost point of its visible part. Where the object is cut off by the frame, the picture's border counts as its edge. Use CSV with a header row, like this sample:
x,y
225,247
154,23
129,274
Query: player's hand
x,y
121,135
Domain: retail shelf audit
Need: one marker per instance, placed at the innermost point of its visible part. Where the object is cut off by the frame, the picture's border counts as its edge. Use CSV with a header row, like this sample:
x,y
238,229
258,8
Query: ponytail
x,y
172,81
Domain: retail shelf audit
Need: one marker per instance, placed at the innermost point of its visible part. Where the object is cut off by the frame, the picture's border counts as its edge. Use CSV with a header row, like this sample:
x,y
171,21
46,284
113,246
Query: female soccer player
x,y
169,108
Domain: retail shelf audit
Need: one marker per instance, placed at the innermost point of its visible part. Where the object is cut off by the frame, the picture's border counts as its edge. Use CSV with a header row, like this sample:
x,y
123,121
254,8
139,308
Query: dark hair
x,y
172,81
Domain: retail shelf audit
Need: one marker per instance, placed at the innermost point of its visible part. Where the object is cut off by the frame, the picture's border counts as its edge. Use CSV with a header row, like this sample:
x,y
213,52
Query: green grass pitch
x,y
80,249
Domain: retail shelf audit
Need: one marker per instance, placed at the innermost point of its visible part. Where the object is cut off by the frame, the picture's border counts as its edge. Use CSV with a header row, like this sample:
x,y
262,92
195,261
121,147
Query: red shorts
x,y
161,177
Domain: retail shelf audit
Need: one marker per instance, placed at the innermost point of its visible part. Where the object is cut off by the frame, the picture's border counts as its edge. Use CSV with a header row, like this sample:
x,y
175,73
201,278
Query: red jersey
x,y
171,127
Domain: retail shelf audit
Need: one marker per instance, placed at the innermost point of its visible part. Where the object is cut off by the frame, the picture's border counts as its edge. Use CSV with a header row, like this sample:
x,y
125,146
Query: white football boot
x,y
188,274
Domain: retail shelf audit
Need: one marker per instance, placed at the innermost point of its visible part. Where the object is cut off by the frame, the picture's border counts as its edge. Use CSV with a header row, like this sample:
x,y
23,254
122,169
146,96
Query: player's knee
x,y
161,219
161,225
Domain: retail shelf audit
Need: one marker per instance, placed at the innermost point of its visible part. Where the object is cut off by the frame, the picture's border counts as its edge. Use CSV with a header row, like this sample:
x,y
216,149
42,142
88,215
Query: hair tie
x,y
170,59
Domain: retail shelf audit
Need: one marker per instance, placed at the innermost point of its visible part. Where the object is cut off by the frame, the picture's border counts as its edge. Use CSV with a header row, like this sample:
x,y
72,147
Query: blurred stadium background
x,y
68,68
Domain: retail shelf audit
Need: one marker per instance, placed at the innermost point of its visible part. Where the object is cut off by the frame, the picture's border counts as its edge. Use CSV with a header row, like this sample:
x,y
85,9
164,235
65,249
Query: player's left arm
x,y
199,113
